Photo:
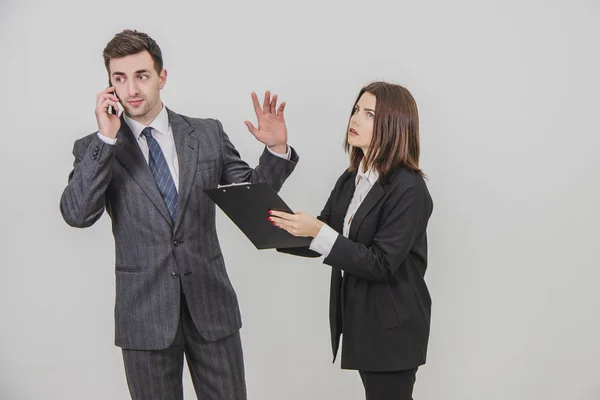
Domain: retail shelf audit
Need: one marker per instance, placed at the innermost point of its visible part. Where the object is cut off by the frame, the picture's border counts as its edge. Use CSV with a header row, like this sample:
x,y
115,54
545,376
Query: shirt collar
x,y
159,125
370,175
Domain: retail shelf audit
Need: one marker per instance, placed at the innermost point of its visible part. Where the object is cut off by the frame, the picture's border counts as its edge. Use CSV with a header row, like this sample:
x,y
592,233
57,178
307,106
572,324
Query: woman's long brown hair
x,y
395,140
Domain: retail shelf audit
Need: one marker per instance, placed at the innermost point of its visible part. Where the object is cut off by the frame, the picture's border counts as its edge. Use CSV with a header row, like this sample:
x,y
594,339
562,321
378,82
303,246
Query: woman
x,y
372,232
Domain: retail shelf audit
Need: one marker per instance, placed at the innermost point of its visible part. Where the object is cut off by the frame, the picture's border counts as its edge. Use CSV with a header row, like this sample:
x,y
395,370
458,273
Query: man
x,y
148,168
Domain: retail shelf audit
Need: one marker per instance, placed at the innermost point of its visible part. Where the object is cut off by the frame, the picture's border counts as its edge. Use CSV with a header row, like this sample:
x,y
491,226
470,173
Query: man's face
x,y
138,85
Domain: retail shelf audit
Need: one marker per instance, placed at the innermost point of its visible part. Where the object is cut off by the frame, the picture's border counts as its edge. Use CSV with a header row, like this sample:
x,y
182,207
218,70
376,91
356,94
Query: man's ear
x,y
162,78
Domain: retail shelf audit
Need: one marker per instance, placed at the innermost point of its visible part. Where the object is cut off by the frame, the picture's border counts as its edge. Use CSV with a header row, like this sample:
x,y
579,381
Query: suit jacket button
x,y
174,275
177,243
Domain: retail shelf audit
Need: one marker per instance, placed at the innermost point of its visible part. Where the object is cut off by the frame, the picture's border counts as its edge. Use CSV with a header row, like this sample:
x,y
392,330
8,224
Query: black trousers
x,y
216,368
394,385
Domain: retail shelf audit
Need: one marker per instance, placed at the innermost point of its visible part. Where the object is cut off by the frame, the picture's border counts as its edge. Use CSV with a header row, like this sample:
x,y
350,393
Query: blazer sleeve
x,y
82,201
392,242
271,169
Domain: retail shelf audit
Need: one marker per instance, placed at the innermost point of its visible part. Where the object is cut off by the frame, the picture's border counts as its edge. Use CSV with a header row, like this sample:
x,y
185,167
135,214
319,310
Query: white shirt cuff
x,y
324,241
287,155
106,139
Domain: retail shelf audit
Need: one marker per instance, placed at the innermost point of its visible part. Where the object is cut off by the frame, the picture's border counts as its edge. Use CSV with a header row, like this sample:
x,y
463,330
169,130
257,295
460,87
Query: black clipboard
x,y
248,205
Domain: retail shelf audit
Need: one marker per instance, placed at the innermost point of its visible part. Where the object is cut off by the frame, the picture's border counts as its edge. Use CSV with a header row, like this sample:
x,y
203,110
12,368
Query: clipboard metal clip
x,y
224,187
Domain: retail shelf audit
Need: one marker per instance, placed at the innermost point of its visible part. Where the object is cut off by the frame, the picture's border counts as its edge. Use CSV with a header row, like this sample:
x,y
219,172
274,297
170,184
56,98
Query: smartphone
x,y
111,109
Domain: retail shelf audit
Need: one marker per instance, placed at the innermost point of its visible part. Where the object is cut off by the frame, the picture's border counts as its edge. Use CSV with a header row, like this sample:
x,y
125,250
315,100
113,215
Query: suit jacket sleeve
x,y
82,201
392,242
271,169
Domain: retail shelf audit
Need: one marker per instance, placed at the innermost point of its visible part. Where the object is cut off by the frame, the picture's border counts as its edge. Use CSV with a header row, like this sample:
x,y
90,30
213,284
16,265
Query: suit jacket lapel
x,y
130,156
187,154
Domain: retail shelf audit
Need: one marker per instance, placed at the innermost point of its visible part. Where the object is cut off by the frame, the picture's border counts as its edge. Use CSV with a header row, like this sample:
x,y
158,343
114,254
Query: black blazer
x,y
381,304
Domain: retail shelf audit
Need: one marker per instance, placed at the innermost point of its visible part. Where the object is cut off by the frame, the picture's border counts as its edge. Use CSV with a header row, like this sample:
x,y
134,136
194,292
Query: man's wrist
x,y
107,139
279,148
106,135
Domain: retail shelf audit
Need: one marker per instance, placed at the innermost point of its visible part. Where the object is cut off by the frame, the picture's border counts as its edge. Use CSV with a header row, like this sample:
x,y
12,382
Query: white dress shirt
x,y
325,239
163,134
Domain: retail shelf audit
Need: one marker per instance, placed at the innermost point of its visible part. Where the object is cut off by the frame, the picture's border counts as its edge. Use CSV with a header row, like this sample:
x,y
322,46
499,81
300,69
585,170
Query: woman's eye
x,y
371,115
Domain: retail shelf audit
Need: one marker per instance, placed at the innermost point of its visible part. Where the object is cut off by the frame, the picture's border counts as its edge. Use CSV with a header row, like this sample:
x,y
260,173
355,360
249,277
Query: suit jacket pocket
x,y
214,258
125,268
205,164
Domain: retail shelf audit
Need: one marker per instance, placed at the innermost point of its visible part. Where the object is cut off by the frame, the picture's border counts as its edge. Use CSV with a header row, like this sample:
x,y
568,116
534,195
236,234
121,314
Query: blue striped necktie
x,y
162,175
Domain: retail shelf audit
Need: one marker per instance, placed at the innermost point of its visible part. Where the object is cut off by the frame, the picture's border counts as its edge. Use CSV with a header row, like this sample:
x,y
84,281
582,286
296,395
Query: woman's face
x,y
360,130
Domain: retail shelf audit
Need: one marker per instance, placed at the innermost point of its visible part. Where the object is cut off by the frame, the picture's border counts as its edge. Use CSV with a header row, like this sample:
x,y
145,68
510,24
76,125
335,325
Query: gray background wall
x,y
508,99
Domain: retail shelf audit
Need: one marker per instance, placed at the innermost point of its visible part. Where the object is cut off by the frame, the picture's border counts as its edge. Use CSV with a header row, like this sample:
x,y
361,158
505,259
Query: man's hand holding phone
x,y
108,124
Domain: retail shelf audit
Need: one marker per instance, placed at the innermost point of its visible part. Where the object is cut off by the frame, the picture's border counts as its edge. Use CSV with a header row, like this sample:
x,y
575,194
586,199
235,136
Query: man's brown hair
x,y
131,42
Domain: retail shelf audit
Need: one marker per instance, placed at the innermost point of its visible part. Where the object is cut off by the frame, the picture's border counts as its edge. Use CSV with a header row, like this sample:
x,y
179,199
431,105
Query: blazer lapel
x,y
130,156
373,197
341,206
187,154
